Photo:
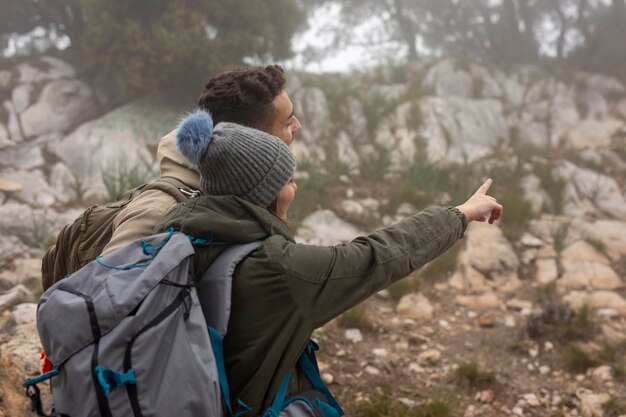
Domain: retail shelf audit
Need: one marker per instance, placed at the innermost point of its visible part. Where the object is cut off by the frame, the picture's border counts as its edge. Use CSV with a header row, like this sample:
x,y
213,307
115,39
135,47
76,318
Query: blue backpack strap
x,y
279,400
308,363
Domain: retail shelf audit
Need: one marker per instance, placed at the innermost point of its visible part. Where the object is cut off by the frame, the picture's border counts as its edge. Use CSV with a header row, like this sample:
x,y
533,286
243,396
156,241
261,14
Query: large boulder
x,y
62,105
487,261
462,130
46,68
589,193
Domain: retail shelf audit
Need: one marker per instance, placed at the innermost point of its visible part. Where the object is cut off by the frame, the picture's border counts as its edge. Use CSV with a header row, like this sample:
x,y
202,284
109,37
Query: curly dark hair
x,y
244,96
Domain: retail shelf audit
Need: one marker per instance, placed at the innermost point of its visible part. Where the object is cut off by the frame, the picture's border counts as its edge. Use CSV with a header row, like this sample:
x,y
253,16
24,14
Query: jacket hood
x,y
173,164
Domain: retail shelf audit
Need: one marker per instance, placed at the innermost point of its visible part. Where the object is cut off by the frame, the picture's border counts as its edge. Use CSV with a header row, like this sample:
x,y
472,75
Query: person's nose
x,y
296,126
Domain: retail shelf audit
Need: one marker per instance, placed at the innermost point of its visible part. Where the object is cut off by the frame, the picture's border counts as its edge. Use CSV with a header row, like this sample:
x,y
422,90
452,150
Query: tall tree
x,y
150,44
54,17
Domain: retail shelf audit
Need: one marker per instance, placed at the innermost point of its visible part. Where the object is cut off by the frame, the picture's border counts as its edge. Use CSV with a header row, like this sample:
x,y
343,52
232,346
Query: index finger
x,y
485,187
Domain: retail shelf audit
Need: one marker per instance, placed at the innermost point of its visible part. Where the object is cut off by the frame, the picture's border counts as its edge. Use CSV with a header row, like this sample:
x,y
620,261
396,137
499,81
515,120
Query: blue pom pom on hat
x,y
194,136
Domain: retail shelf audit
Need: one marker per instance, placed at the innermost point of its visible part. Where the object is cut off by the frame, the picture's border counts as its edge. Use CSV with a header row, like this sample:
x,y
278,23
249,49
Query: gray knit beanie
x,y
234,159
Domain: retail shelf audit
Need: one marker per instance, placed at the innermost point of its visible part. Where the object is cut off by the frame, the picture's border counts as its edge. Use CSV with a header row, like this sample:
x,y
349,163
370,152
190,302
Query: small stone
x,y
602,375
518,411
328,378
517,304
354,335
544,370
415,306
413,367
579,377
509,321
531,399
381,352
486,396
548,346
341,353
371,370
429,357
444,324
472,314
487,320
407,402
533,352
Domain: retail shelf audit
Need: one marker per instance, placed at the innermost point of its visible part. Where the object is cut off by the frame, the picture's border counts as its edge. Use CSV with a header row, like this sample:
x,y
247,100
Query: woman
x,y
285,290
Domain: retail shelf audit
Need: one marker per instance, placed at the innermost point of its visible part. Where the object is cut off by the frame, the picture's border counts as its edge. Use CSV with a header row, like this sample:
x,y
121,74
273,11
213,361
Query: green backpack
x,y
83,240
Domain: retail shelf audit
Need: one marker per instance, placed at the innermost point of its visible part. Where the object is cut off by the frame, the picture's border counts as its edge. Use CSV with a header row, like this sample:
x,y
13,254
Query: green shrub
x,y
470,375
384,406
577,360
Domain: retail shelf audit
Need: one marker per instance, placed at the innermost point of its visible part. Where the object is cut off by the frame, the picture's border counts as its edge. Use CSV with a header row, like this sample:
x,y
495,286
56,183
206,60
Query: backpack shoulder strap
x,y
180,191
215,287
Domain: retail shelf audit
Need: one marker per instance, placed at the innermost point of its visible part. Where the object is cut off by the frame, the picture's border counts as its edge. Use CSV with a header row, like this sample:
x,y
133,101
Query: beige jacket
x,y
138,219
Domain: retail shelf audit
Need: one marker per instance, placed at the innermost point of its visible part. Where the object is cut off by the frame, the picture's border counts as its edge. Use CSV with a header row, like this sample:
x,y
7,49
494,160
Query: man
x,y
254,97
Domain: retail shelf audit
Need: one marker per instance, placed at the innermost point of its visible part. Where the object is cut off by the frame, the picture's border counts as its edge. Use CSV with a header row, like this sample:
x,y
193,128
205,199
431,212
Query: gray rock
x,y
5,79
460,130
23,156
534,133
593,134
11,247
513,90
21,97
323,227
313,112
48,68
588,275
490,253
398,138
7,281
62,105
534,194
447,80
357,128
415,306
65,184
597,300
346,153
621,109
5,140
603,84
16,295
490,86
27,272
15,131
591,403
588,191
35,189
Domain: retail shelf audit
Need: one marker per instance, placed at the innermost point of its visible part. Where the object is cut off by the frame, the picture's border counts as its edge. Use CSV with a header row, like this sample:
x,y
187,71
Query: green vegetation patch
x,y
384,406
470,375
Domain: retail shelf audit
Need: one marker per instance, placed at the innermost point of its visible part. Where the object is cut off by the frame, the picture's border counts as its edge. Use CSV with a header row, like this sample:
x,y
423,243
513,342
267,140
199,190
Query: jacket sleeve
x,y
139,218
327,280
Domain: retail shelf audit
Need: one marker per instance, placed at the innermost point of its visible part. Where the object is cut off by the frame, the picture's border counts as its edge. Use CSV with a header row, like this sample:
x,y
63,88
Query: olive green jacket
x,y
285,290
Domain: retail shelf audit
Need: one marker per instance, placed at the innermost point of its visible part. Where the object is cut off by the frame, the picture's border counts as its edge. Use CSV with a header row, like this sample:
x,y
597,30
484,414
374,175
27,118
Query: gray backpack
x,y
127,336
